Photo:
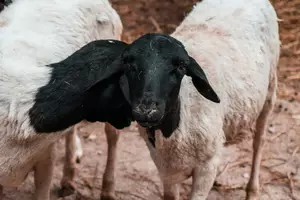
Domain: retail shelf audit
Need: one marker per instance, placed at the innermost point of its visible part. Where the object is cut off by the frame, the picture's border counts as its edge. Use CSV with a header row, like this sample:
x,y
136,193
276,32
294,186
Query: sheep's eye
x,y
128,59
127,63
181,66
129,67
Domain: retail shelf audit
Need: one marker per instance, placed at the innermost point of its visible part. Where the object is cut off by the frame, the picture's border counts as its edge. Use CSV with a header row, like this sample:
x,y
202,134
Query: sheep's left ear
x,y
200,81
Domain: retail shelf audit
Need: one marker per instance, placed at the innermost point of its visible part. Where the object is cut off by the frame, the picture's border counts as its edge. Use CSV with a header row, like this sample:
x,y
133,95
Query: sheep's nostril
x,y
136,111
154,115
147,112
152,112
149,117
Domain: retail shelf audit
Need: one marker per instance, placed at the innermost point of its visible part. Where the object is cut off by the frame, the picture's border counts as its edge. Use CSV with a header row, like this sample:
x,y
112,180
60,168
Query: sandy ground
x,y
136,175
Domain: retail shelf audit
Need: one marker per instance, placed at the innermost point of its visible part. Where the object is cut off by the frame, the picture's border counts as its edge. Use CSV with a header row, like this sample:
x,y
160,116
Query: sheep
x,y
74,153
40,104
185,120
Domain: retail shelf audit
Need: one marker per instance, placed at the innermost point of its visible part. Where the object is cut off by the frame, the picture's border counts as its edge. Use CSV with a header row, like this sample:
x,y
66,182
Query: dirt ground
x,y
136,175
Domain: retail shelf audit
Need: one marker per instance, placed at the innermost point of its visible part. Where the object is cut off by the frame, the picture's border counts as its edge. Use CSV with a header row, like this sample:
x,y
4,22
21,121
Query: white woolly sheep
x,y
40,101
236,43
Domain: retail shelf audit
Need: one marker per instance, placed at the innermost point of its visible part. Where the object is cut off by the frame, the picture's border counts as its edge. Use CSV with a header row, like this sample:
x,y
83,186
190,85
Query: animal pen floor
x,y
136,175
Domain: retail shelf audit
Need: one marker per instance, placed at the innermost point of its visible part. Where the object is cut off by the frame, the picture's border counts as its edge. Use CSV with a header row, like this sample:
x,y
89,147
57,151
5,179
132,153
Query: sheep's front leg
x,y
108,183
73,155
1,192
203,179
171,192
43,171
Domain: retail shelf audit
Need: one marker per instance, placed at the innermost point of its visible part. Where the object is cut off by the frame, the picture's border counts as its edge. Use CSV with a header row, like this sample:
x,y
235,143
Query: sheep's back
x,y
236,43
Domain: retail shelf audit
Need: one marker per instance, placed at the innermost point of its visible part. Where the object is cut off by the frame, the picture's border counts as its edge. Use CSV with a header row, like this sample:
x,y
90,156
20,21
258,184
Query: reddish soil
x,y
136,175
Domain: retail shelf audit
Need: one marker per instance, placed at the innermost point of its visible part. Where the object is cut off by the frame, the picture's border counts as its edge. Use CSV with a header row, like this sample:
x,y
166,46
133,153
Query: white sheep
x,y
33,34
236,43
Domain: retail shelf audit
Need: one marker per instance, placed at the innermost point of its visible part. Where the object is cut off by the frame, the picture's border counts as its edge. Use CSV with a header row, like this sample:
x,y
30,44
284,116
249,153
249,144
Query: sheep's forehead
x,y
157,50
155,42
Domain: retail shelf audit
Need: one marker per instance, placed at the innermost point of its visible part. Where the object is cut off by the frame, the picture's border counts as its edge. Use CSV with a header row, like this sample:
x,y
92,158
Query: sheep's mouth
x,y
148,124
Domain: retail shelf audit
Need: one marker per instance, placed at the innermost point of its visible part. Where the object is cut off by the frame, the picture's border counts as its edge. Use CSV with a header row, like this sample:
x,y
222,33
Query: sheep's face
x,y
154,67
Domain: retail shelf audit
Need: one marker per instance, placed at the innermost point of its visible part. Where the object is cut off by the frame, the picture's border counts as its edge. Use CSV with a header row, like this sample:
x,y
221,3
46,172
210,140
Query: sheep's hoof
x,y
78,160
106,196
251,198
170,197
252,195
252,191
66,190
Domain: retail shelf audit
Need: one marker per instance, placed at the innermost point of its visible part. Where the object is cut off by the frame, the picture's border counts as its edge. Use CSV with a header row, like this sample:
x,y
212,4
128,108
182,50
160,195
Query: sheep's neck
x,y
169,124
171,120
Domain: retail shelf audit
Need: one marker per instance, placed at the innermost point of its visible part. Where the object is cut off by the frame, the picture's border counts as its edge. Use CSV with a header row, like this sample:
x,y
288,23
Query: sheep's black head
x,y
154,66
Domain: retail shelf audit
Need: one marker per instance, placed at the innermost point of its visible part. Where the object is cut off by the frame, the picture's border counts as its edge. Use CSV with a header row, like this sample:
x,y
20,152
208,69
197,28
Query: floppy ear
x,y
115,68
200,81
106,54
78,86
125,88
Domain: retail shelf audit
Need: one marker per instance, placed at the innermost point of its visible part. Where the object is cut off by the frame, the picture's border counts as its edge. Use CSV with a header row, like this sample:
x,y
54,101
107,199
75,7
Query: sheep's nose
x,y
148,113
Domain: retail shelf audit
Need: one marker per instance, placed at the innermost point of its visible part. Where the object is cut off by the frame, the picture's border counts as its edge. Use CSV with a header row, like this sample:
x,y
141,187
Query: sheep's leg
x,y
43,171
73,155
83,123
1,192
261,125
79,149
108,183
171,192
203,179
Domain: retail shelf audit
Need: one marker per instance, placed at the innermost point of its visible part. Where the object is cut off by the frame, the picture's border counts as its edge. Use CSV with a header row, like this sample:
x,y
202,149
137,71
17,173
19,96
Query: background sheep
x,y
238,50
34,34
74,152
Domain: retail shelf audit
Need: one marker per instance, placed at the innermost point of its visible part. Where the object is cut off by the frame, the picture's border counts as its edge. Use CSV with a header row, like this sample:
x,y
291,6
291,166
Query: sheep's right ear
x,y
200,81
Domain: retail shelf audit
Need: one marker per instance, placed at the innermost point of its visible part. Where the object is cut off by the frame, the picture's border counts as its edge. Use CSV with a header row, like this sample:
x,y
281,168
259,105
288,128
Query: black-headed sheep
x,y
214,77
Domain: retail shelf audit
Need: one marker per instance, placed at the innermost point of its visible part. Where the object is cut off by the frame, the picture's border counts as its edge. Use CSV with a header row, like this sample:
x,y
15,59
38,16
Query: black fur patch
x,y
169,124
151,136
171,120
83,86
